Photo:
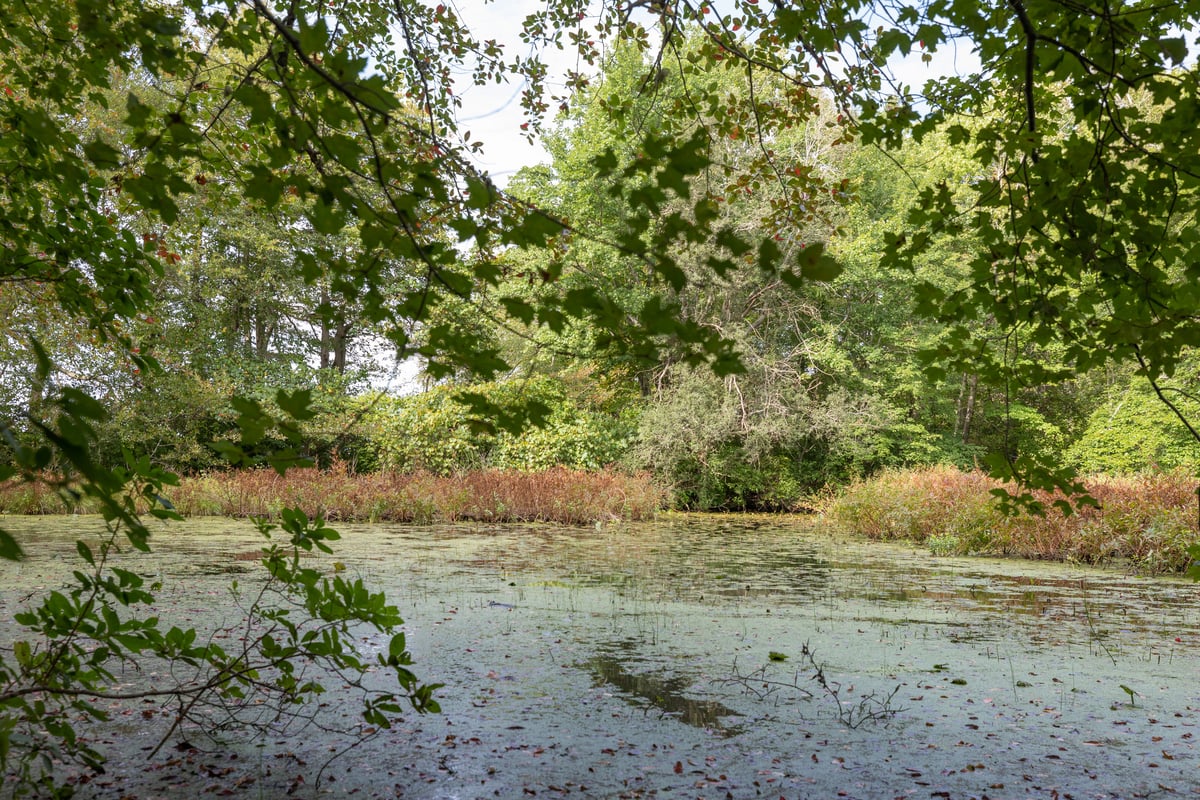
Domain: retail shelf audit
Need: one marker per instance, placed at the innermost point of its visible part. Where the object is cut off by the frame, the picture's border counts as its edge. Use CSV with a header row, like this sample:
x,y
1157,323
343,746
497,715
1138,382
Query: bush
x,y
703,437
436,433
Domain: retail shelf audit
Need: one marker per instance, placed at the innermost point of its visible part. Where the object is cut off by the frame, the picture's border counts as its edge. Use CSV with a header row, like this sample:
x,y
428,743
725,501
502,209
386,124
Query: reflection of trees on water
x,y
686,558
666,693
714,560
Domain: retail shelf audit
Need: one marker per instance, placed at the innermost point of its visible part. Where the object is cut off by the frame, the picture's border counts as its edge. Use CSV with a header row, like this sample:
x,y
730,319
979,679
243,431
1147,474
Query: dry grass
x,y
558,495
1148,521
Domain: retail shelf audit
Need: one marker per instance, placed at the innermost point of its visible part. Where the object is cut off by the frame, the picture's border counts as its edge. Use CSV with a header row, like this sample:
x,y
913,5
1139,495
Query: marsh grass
x,y
571,497
1147,521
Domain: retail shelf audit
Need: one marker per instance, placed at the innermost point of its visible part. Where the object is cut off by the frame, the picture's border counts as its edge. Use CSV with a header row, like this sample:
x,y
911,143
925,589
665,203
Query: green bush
x,y
1133,431
436,433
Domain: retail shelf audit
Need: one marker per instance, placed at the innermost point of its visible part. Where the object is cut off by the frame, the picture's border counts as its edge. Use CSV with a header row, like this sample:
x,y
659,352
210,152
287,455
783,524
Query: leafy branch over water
x,y
298,635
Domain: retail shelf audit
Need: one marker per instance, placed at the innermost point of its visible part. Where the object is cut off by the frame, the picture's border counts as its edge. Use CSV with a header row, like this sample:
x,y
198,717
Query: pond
x,y
703,657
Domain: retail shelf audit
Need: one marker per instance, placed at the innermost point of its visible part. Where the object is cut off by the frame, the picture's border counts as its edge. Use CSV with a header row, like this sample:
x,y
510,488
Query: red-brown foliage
x,y
1148,520
560,495
557,495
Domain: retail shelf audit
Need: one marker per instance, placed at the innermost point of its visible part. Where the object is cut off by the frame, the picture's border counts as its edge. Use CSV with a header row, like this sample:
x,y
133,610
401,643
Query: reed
x,y
1147,521
572,497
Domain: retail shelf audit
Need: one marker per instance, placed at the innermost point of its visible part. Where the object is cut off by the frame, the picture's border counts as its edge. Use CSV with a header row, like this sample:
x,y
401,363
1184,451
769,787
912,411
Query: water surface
x,y
678,659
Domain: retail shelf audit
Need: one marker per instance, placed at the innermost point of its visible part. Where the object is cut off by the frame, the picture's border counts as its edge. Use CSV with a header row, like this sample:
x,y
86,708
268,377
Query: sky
x,y
493,113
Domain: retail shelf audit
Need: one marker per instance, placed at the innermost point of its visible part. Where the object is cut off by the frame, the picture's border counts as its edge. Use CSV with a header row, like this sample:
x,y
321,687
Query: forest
x,y
764,329
759,265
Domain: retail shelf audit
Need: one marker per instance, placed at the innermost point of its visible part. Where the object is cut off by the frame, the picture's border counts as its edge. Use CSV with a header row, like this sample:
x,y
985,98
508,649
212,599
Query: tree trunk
x,y
262,337
326,336
341,338
969,409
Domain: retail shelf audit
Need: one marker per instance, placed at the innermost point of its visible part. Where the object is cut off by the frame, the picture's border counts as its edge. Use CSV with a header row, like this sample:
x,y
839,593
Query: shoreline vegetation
x,y
1147,522
561,495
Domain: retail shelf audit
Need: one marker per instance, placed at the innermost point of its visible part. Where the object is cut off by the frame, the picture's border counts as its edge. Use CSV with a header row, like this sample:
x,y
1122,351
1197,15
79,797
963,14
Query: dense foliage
x,y
758,261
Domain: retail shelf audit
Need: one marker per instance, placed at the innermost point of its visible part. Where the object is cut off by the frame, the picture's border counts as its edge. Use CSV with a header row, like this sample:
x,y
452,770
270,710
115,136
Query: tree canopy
x,y
131,128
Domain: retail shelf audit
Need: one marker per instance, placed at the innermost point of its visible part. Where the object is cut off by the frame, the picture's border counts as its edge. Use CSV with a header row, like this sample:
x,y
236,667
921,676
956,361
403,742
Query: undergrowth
x,y
572,497
1148,521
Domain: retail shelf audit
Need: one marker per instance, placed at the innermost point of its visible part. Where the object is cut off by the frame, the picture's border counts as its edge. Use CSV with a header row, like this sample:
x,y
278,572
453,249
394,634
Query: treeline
x,y
839,372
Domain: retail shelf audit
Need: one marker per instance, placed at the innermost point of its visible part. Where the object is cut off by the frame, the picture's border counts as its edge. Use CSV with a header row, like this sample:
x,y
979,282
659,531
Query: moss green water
x,y
636,661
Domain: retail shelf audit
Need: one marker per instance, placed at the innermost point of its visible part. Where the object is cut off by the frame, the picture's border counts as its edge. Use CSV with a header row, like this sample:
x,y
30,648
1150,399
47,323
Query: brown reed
x,y
1147,521
559,495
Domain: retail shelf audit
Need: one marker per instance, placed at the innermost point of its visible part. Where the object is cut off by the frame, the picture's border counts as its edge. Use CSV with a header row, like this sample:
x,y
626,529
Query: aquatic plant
x,y
1146,520
562,495
762,684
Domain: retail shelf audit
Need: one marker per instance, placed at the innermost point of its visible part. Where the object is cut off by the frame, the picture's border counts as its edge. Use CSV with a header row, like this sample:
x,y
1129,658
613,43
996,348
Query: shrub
x,y
434,432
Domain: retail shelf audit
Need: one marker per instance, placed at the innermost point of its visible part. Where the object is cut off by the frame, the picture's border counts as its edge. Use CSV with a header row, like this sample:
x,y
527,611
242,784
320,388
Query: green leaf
x,y
605,163
533,230
314,34
821,268
326,217
480,194
516,307
232,453
44,366
23,653
770,257
102,154
1174,48
396,648
9,549
297,404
